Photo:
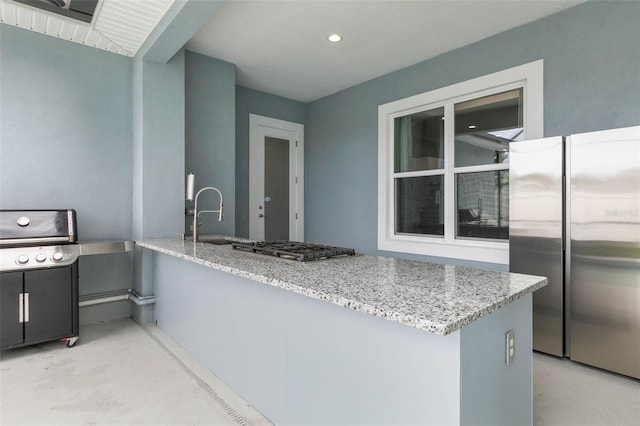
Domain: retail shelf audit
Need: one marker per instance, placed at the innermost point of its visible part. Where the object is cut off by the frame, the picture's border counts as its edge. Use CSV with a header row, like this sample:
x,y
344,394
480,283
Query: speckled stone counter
x,y
433,297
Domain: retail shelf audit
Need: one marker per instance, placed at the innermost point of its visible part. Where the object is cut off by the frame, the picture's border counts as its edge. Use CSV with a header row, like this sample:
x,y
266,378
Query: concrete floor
x,y
122,374
117,374
567,393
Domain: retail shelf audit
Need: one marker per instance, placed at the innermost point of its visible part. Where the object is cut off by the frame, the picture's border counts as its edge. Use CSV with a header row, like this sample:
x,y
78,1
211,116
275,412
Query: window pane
x,y
419,141
483,205
485,126
420,205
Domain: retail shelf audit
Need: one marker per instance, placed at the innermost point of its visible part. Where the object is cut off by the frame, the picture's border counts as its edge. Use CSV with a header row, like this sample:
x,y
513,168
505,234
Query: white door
x,y
276,179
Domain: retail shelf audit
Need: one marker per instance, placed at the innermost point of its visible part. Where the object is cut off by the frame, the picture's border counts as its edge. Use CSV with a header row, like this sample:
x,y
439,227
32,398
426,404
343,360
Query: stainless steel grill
x,y
39,253
38,277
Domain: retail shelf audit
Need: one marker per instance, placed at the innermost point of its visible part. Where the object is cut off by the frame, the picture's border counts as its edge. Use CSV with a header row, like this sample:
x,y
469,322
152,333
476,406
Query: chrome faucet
x,y
197,213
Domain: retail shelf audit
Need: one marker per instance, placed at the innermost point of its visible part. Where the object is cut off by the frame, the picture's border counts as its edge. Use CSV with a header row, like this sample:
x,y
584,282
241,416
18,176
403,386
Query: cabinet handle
x,y
21,307
26,307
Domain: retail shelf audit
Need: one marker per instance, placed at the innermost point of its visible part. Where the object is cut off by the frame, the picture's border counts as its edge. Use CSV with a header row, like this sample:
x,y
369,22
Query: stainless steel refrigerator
x,y
575,218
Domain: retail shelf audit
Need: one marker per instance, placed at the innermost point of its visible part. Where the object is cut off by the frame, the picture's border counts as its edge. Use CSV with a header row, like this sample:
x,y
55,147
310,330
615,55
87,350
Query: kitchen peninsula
x,y
353,340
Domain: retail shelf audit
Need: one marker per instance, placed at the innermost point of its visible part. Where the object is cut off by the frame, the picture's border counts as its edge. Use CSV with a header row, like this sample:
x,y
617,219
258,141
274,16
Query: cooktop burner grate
x,y
295,250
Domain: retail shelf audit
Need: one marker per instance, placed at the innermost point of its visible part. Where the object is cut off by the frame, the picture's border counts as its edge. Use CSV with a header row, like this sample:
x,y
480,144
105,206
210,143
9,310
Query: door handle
x,y
260,215
26,307
23,307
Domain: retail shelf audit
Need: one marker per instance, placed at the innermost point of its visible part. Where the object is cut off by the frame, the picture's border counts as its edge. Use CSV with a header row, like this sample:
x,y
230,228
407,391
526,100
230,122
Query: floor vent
x,y
217,398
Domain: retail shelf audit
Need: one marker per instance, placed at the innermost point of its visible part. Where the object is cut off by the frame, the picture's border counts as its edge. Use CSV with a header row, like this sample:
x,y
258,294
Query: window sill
x,y
480,251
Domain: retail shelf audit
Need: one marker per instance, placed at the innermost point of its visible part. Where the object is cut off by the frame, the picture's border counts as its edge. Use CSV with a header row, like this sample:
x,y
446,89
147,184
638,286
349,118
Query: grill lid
x,y
39,227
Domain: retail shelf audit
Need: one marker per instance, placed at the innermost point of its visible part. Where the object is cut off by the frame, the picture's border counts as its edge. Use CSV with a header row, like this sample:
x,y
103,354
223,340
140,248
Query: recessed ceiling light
x,y
472,126
335,38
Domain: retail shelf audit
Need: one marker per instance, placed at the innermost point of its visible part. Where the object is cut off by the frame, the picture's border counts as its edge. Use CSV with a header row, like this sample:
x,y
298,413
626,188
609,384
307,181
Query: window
x,y
419,147
484,127
443,159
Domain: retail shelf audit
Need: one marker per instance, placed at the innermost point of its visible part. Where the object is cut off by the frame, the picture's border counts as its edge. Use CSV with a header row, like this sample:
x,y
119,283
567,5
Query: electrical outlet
x,y
510,346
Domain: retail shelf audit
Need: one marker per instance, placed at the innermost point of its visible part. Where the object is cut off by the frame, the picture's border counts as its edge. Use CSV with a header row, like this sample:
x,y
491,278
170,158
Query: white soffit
x,y
118,26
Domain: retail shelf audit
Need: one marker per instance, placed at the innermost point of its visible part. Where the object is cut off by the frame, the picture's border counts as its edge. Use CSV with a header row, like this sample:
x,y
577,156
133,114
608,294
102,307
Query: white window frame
x,y
529,77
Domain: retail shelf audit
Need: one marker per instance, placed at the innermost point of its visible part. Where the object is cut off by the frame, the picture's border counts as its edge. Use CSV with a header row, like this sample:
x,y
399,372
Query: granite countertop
x,y
428,296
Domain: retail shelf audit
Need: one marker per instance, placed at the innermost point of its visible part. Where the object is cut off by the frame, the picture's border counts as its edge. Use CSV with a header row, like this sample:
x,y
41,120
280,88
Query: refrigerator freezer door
x,y
604,194
536,232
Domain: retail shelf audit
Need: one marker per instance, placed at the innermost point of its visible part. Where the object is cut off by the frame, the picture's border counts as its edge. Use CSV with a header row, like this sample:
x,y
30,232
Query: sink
x,y
221,240
217,241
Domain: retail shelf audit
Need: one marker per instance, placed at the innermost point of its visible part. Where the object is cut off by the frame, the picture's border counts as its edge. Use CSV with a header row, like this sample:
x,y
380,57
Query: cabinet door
x,y
50,304
11,329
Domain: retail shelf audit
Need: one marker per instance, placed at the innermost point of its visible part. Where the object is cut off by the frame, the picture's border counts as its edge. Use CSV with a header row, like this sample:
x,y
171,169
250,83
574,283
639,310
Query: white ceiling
x,y
280,47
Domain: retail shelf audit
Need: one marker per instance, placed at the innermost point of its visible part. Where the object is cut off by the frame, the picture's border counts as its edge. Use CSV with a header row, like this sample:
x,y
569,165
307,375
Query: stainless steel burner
x,y
295,250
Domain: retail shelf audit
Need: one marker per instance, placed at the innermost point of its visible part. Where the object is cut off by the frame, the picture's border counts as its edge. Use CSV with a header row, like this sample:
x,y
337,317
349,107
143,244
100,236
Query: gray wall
x,y
158,161
249,101
158,146
210,137
159,134
592,82
65,141
66,131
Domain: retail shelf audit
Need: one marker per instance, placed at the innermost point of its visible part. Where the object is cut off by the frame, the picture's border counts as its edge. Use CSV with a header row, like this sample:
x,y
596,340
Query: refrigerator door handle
x,y
564,209
567,247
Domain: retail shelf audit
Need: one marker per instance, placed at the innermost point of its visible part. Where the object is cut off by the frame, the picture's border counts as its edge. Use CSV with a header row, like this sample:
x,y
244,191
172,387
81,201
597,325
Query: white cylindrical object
x,y
191,184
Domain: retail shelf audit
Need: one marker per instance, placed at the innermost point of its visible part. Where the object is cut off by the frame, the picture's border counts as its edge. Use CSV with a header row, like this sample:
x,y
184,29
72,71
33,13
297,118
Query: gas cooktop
x,y
294,250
